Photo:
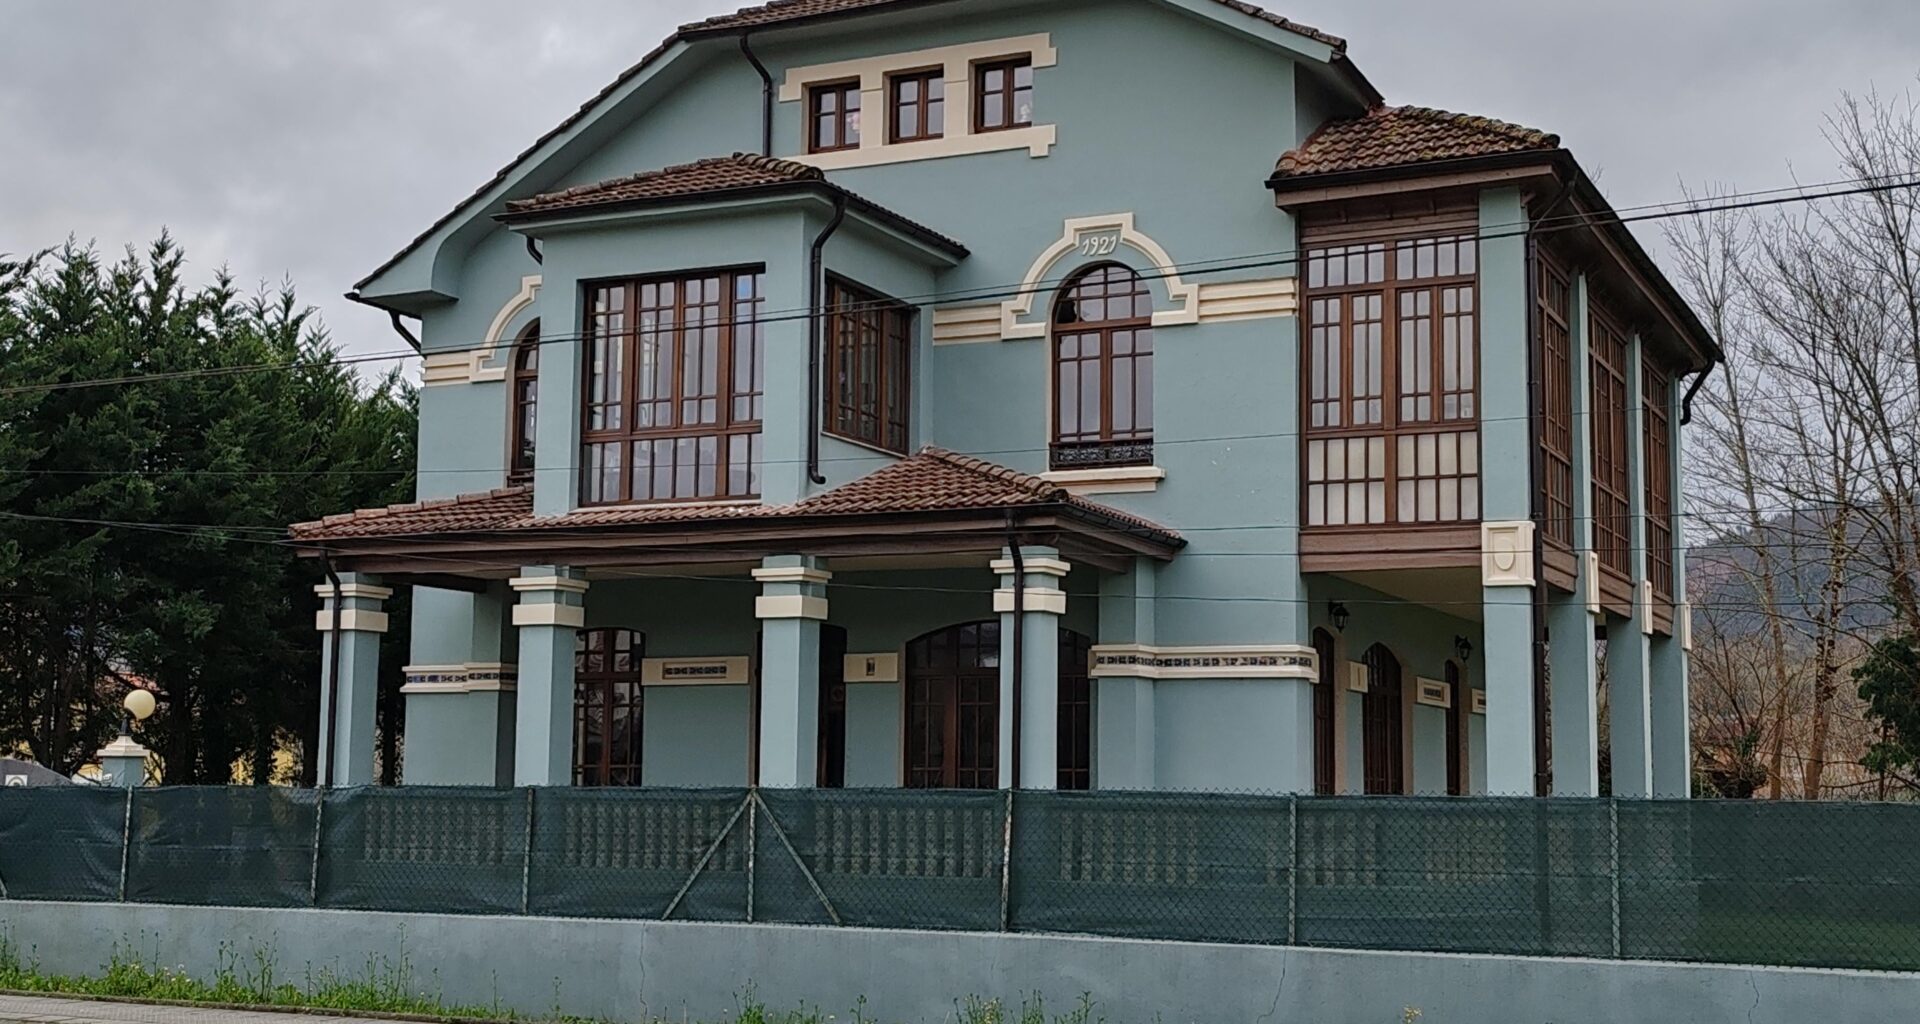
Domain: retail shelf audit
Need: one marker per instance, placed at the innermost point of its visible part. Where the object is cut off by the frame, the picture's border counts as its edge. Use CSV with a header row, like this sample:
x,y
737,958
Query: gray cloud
x,y
310,140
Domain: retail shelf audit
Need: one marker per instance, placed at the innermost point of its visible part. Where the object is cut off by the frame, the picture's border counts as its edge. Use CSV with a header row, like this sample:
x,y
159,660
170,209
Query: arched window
x,y
524,386
608,708
1456,726
953,708
1381,723
1324,696
1103,370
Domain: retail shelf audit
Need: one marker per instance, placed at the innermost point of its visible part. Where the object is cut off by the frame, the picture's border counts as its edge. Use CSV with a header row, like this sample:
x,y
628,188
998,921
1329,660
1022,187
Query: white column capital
x,y
363,591
1036,566
548,583
1033,599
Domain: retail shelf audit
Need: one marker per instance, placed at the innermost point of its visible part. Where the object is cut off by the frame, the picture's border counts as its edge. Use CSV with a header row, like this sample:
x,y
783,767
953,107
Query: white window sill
x,y
1117,480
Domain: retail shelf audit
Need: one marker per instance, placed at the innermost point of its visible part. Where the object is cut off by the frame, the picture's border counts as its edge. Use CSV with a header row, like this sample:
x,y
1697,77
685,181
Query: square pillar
x,y
1043,602
1123,733
1508,579
349,677
1669,702
548,618
791,607
1573,619
124,763
460,689
1629,662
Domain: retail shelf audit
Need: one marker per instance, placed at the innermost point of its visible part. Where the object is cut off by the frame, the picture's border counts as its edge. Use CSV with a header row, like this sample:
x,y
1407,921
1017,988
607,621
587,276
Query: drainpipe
x,y
533,250
333,662
816,282
1019,640
401,329
1686,402
766,95
1537,503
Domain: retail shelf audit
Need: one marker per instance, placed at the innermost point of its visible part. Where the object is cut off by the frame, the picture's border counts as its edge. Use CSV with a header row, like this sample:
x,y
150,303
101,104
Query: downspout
x,y
766,95
1537,503
816,287
401,329
333,661
1019,642
533,250
1686,402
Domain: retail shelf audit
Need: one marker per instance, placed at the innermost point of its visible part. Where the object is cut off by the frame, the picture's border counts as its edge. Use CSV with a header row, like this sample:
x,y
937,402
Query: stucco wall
x,y
643,970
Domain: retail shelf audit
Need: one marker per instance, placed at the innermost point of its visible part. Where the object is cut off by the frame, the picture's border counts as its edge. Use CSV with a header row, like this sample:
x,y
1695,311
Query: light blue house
x,y
1052,393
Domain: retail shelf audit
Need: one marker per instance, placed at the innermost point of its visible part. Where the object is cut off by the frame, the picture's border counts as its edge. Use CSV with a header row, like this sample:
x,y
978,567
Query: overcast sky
x,y
311,138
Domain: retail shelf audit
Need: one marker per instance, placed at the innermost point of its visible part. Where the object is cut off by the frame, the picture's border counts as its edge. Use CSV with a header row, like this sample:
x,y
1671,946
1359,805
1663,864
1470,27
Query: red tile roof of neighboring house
x,y
714,174
714,178
1400,136
931,480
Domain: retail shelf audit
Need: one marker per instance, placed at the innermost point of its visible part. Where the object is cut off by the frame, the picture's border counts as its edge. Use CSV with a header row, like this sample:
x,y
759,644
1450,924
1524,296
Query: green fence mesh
x,y
1818,885
228,846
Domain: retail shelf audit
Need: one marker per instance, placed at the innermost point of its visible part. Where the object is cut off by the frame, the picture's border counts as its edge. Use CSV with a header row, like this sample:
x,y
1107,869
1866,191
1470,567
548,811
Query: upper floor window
x,y
674,388
525,389
1392,383
869,347
1103,370
1612,507
1656,391
917,106
1555,312
833,116
1003,95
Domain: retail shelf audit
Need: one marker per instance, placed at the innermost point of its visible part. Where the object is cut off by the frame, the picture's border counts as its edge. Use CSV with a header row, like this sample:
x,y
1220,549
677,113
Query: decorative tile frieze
x,y
475,677
719,671
1140,661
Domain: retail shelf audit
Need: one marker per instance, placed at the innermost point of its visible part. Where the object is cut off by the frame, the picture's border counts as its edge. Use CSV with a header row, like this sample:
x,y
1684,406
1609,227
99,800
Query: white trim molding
x,y
1590,581
1096,237
472,677
471,366
1118,480
1228,301
352,620
1357,678
1033,566
871,668
958,137
790,606
1683,624
122,747
730,670
1479,705
966,325
568,616
364,591
1033,600
1434,693
560,584
1239,661
793,574
1506,554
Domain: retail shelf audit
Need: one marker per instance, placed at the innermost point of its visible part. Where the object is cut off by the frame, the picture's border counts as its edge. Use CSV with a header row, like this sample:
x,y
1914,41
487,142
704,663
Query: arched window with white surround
x,y
1103,370
524,389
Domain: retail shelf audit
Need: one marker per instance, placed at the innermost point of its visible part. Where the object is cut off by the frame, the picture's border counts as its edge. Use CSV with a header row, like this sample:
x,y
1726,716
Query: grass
x,y
388,988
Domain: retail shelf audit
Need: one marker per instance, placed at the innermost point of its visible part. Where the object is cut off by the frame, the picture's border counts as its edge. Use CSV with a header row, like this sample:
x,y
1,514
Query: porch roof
x,y
934,500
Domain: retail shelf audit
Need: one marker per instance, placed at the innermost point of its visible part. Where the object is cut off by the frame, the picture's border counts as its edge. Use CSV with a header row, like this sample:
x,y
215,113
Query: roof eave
x,y
1282,183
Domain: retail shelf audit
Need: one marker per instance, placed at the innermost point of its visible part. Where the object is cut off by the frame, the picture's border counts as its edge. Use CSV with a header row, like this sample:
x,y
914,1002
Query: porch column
x,y
791,607
1571,618
1123,735
1508,572
1629,667
348,698
551,611
1669,704
1043,602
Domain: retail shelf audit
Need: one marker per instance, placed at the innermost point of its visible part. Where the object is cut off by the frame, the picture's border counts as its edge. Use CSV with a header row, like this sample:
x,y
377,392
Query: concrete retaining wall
x,y
632,970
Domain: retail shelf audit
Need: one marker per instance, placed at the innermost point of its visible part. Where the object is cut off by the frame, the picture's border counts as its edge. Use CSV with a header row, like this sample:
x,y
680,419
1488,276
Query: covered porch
x,y
911,628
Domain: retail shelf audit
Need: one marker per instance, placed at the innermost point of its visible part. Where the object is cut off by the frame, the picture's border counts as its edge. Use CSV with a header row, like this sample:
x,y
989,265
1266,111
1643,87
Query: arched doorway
x,y
1325,652
1383,728
608,707
1076,711
953,709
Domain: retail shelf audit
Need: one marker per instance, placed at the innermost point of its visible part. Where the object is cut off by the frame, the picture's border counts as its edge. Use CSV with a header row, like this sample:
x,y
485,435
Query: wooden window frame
x,y
609,683
1554,308
1456,729
951,705
1108,446
1326,696
737,425
1383,723
523,405
1609,349
844,137
1074,731
1006,99
928,79
854,315
1656,393
1363,412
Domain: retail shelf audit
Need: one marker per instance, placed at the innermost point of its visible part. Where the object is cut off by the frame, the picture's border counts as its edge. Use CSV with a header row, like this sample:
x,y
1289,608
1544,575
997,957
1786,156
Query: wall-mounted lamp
x,y
1463,649
1338,614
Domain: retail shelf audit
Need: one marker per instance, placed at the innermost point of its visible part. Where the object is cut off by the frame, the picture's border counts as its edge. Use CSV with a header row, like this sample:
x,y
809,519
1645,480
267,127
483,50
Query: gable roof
x,y
1401,136
714,178
783,12
930,480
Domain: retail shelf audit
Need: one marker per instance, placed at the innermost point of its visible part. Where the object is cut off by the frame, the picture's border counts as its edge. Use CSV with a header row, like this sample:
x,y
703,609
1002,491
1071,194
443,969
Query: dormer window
x,y
833,117
1003,95
917,103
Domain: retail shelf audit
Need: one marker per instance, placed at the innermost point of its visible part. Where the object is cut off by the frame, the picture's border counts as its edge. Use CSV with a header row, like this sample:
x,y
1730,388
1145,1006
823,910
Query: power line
x,y
1291,257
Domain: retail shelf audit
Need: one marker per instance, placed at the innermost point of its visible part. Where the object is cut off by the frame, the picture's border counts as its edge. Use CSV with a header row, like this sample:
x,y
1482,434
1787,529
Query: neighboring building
x,y
1115,455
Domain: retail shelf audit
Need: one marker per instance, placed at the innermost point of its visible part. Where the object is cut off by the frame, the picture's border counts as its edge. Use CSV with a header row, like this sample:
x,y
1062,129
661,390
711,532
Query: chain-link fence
x,y
1835,885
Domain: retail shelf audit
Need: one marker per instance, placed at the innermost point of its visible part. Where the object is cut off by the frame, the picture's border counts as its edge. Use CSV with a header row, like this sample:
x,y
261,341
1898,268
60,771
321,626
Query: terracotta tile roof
x,y
1399,136
714,174
776,11
931,480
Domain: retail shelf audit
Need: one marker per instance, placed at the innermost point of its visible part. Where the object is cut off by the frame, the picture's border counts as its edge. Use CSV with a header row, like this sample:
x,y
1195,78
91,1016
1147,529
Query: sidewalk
x,y
50,1010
